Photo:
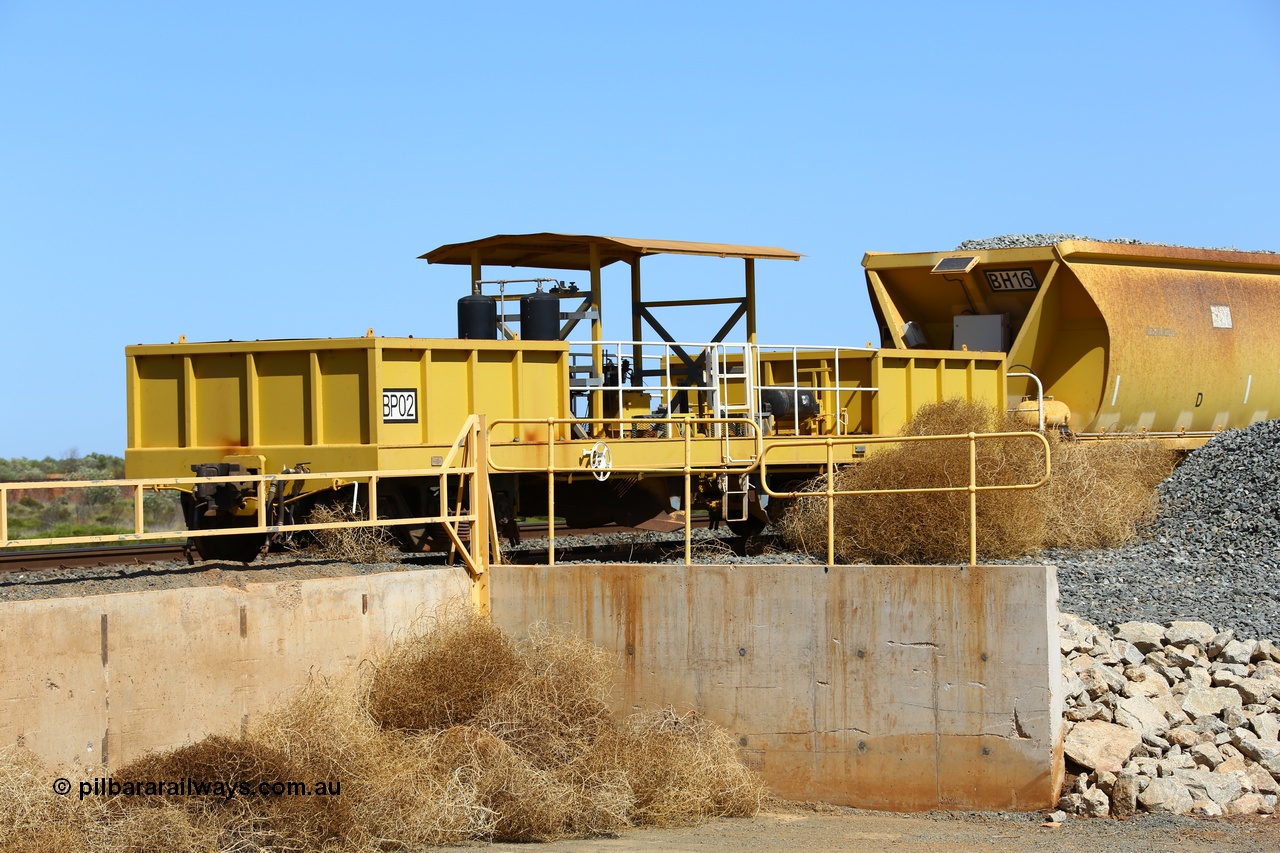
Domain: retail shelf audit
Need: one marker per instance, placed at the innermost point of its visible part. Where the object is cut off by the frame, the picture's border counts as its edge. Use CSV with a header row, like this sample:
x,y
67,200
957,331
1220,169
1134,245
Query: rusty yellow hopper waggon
x,y
640,431
1174,343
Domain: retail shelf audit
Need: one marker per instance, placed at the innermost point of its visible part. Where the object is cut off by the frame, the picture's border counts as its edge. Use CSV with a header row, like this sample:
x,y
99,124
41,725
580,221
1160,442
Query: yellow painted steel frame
x,y
1189,331
831,493
321,401
463,459
686,426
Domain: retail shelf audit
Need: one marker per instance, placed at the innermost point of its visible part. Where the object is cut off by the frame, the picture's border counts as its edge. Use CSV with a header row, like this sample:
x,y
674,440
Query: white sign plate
x,y
399,405
1005,280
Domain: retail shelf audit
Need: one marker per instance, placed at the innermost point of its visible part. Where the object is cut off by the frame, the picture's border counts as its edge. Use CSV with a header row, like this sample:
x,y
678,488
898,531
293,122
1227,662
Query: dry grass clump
x,y
33,818
1101,494
241,764
558,705
522,750
1097,496
527,803
168,827
350,544
682,769
710,552
928,527
443,677
396,769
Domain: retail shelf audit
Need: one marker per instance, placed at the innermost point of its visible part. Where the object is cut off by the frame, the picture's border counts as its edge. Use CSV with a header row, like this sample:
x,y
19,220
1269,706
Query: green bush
x,y
80,529
91,511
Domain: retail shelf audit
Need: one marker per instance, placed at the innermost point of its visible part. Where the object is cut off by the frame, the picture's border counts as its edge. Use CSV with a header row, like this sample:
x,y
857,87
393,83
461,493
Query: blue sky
x,y
267,170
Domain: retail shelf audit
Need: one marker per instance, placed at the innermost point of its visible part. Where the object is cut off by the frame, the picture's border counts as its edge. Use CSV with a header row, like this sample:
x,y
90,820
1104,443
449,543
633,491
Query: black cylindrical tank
x,y
783,402
478,317
539,317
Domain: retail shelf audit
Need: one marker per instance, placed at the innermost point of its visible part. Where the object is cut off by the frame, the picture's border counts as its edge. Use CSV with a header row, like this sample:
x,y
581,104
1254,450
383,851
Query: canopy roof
x,y
573,251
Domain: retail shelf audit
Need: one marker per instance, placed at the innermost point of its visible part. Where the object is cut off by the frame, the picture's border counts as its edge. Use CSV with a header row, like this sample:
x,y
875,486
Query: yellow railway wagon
x,y
1170,342
616,424
353,404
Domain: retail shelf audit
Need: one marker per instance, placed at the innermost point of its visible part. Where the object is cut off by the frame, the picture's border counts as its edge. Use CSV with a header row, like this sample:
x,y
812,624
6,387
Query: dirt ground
x,y
784,828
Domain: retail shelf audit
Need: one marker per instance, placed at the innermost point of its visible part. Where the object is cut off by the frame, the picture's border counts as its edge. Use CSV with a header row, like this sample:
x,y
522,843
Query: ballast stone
x,y
1237,652
1267,727
1255,691
1100,746
1024,241
1124,795
1174,742
1180,633
1141,714
1147,636
1221,788
1209,701
1166,795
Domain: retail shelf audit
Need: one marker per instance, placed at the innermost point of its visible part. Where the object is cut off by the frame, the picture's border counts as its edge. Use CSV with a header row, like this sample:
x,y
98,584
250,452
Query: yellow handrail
x,y
470,441
831,493
689,426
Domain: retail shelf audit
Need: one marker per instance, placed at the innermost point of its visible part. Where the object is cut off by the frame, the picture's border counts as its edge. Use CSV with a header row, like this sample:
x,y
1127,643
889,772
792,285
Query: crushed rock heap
x,y
1213,551
1022,241
1225,498
1178,718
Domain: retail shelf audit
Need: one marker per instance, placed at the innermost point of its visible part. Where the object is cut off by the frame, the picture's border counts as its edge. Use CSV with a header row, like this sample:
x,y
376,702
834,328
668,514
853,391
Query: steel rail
x,y
37,560
68,558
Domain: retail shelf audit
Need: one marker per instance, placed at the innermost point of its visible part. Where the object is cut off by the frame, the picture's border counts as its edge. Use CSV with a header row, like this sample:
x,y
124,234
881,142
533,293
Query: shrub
x,y
1097,497
349,544
515,742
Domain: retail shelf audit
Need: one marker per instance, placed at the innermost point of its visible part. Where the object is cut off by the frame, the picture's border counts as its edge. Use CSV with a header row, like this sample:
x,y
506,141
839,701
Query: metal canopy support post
x,y
597,330
751,299
637,326
481,501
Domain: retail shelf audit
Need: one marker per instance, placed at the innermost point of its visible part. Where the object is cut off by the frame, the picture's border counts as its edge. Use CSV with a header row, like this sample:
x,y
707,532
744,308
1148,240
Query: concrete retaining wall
x,y
105,678
897,688
880,687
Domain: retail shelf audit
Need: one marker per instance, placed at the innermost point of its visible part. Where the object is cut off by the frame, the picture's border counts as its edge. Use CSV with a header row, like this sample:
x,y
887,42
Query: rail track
x,y
73,558
137,555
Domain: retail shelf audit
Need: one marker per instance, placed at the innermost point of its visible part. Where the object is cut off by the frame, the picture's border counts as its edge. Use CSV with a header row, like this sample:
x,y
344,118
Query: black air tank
x,y
477,317
539,317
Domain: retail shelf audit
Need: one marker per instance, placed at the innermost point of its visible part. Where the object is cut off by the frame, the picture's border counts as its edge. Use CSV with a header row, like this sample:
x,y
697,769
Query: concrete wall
x,y
106,678
884,687
880,687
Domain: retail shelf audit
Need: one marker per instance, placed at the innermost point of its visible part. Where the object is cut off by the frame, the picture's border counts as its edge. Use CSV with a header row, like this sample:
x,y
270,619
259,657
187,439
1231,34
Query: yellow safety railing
x,y
598,459
831,493
464,460
471,455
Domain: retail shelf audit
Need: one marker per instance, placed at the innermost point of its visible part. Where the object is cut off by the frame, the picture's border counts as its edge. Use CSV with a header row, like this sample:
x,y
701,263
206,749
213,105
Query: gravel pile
x,y
1182,719
1022,241
1212,554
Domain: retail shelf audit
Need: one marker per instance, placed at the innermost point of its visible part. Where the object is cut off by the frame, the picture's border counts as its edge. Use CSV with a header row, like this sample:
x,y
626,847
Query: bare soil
x,y
790,827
